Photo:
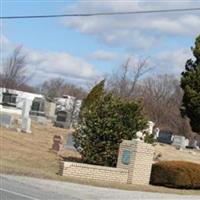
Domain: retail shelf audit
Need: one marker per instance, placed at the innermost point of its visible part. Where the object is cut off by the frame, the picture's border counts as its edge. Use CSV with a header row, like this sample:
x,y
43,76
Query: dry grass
x,y
169,152
30,155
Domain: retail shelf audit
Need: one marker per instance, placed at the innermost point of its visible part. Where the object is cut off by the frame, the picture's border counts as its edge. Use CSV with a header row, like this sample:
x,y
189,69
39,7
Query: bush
x,y
176,174
105,121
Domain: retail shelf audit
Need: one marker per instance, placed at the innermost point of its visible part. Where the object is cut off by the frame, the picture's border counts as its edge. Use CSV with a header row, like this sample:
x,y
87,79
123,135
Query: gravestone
x,y
61,119
179,141
156,133
5,120
69,143
26,121
150,125
1,97
195,144
57,143
165,137
187,141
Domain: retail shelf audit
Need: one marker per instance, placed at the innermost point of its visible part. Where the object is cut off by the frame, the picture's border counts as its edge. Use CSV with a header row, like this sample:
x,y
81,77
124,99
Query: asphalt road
x,y
25,188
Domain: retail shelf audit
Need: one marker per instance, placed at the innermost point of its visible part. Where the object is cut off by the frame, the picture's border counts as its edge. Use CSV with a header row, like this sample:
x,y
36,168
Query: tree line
x,y
162,96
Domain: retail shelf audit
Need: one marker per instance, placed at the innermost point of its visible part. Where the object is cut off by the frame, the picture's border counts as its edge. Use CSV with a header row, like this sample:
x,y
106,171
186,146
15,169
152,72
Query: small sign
x,y
126,155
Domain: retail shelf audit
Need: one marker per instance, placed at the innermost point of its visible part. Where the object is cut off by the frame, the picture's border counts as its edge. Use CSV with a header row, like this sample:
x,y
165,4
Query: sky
x,y
85,49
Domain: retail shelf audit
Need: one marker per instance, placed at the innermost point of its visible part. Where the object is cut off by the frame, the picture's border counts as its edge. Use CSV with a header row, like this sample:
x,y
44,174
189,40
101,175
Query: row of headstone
x,y
7,119
178,141
182,142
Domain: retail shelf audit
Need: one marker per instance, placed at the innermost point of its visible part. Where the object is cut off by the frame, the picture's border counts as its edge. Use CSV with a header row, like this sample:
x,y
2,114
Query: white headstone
x,y
187,142
150,127
179,141
156,133
195,144
1,97
5,120
26,121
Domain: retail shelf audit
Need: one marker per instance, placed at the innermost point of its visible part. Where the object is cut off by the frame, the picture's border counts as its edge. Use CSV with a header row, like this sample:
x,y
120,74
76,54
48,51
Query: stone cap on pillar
x,y
137,145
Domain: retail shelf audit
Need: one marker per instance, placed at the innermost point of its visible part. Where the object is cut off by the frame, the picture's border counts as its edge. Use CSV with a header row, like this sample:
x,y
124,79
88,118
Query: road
x,y
26,188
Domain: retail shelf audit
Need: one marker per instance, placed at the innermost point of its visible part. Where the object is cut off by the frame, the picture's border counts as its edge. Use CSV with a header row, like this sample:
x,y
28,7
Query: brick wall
x,y
93,172
139,169
136,171
141,159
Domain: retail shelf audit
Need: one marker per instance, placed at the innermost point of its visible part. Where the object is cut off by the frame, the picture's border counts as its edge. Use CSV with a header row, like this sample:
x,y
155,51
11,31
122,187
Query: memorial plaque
x,y
126,155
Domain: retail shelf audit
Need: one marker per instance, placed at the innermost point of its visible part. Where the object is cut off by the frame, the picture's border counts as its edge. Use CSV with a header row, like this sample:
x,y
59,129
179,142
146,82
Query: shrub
x,y
176,174
104,123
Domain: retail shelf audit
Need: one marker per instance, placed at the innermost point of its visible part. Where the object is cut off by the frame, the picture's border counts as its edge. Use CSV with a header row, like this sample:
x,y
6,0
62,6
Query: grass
x,y
31,155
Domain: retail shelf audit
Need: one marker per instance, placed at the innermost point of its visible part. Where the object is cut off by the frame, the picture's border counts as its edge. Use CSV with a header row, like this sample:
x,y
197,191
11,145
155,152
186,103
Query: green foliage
x,y
94,95
176,174
149,138
190,83
103,127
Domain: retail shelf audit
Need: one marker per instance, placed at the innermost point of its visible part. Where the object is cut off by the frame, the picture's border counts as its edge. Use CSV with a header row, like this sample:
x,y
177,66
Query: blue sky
x,y
84,49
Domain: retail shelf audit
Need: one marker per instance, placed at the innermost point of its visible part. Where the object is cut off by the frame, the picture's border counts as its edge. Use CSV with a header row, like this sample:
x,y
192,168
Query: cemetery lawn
x,y
31,155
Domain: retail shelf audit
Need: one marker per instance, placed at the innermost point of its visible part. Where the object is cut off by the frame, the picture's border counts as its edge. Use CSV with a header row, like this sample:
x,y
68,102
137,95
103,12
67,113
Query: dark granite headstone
x,y
165,137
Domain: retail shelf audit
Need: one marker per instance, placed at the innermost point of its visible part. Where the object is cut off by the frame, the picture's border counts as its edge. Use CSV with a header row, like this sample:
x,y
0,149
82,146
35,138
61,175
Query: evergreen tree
x,y
96,92
190,83
104,125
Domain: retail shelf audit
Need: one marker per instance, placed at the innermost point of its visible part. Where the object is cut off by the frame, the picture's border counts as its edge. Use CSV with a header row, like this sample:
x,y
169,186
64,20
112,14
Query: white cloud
x,y
104,55
138,31
172,61
62,64
45,65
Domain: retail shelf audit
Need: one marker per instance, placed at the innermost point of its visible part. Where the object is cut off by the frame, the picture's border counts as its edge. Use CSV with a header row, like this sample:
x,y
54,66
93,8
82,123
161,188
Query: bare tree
x,y
161,96
57,87
14,70
124,81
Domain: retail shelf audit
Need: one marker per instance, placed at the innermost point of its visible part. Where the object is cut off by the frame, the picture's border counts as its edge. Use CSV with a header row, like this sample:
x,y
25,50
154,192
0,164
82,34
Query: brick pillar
x,y
137,157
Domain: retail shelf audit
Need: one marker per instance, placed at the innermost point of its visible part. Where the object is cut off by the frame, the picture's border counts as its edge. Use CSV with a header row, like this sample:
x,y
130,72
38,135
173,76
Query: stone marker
x,y
179,141
26,121
187,141
57,143
165,137
156,133
5,120
69,143
195,144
